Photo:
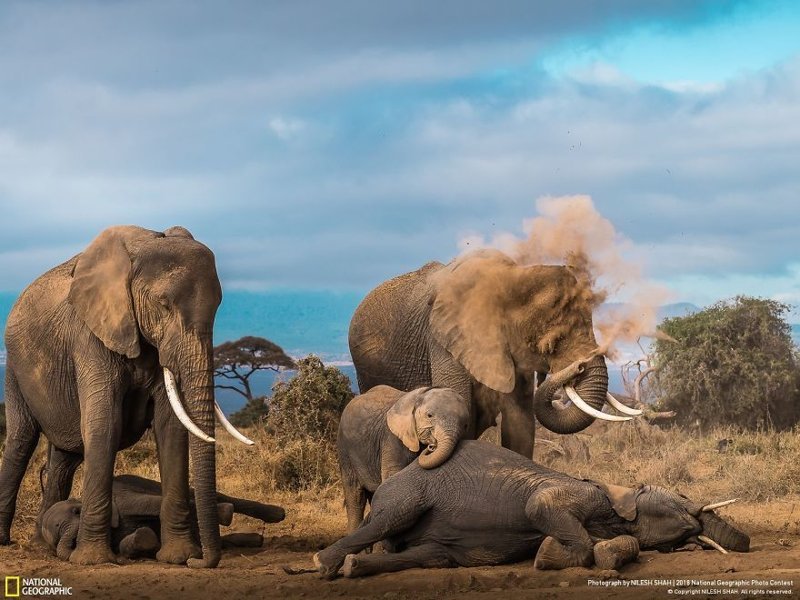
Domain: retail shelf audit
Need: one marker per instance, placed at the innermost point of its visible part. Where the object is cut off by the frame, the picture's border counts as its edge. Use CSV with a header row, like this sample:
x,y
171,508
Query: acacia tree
x,y
734,364
237,361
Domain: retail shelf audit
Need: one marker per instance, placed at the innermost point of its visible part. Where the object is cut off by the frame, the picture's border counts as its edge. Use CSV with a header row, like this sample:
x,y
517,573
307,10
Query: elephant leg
x,y
60,471
567,543
21,439
178,542
425,556
101,429
269,513
242,540
141,543
518,427
385,519
355,496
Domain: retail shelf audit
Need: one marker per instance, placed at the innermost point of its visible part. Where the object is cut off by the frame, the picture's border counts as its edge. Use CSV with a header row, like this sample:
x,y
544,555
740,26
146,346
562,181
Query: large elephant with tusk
x,y
484,326
114,341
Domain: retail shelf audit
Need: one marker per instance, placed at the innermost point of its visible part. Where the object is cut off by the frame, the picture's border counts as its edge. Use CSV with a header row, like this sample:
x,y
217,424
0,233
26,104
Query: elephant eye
x,y
430,415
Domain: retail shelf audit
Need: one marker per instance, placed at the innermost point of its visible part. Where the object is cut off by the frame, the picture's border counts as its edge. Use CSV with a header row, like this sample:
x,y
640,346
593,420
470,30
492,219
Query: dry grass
x,y
762,468
756,466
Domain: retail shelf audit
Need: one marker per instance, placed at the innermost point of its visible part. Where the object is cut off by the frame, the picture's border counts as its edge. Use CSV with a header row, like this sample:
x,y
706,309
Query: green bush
x,y
254,411
308,406
734,364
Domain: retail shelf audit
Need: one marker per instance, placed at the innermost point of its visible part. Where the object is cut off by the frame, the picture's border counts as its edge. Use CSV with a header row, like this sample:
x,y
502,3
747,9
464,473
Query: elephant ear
x,y
623,499
101,291
468,314
402,420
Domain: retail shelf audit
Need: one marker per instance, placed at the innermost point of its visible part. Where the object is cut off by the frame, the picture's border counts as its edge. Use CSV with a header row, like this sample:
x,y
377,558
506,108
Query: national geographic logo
x,y
12,587
21,587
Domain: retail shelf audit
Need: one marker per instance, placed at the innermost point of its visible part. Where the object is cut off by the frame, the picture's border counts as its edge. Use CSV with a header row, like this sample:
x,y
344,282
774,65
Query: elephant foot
x,y
554,555
142,542
225,513
614,553
350,567
92,553
5,537
328,569
178,551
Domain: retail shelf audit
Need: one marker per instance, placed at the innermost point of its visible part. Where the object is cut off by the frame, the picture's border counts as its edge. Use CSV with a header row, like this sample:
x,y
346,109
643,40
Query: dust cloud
x,y
569,230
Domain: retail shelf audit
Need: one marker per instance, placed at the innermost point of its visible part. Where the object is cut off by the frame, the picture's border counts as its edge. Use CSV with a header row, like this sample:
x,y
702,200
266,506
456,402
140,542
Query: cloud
x,y
317,145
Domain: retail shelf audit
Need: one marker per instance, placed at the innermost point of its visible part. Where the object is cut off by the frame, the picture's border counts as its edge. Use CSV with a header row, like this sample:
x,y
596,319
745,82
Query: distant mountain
x,y
667,311
678,309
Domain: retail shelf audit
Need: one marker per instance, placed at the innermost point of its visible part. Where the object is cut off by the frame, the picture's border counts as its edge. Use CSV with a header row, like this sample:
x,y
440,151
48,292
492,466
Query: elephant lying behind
x,y
135,519
487,505
380,433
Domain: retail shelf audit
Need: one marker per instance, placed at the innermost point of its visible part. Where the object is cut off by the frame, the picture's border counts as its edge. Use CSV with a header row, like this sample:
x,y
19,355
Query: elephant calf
x,y
135,519
381,432
487,505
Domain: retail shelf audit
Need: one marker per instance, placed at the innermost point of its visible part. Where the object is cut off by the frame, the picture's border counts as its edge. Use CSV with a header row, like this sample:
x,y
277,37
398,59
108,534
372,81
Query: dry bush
x,y
302,475
756,466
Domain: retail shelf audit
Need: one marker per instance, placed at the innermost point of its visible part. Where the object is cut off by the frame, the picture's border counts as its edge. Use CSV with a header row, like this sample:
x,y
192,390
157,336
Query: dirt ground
x,y
771,569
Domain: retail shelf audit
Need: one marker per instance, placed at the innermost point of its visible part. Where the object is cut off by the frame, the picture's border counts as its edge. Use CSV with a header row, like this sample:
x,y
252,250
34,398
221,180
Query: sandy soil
x,y
259,573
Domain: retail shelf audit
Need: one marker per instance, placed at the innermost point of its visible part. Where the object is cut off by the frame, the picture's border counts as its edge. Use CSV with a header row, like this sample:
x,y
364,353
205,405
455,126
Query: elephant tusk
x,y
712,543
710,507
177,407
581,404
625,410
229,426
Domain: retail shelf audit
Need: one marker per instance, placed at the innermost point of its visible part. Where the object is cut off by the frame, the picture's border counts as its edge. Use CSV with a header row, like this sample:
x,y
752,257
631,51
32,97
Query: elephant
x,y
487,505
114,341
484,326
135,519
380,433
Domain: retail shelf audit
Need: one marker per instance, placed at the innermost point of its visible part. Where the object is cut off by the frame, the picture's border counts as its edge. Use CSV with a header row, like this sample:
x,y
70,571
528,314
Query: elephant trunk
x,y
591,384
446,441
67,541
725,534
198,387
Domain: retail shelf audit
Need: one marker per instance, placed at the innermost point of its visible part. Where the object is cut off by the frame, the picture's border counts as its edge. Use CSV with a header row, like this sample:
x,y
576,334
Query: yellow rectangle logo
x,y
12,587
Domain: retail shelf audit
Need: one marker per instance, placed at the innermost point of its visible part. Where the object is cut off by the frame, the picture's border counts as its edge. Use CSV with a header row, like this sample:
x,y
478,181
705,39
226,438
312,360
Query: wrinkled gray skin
x,y
86,345
487,506
137,506
485,326
382,431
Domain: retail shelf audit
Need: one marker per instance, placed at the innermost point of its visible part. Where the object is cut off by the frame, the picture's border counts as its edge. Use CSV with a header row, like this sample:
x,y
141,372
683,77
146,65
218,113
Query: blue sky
x,y
332,145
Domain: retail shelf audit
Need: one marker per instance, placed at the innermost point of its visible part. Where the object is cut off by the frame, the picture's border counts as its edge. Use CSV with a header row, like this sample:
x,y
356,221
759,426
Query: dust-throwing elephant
x,y
487,505
382,431
113,341
484,326
135,519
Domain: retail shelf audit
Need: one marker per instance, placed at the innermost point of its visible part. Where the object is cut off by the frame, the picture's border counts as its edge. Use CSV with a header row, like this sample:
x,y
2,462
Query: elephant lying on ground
x,y
484,326
136,522
380,433
487,505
